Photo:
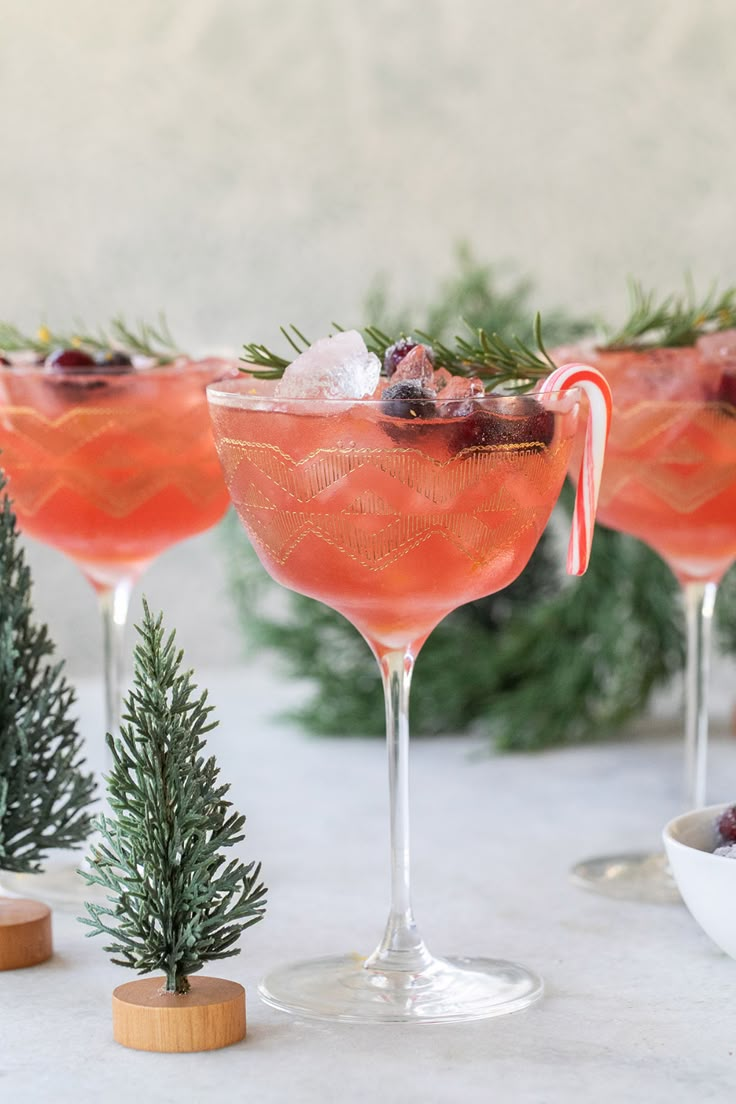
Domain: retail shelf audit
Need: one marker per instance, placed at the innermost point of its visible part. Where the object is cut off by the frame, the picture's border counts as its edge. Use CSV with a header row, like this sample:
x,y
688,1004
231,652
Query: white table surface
x,y
639,1005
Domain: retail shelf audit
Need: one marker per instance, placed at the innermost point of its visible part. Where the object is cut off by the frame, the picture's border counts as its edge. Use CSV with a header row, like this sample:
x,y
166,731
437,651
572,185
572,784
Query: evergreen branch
x,y
674,320
145,339
486,355
44,793
174,902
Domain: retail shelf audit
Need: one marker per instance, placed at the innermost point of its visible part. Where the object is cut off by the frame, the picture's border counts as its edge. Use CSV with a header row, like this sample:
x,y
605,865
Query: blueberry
x,y
408,399
395,353
515,421
113,360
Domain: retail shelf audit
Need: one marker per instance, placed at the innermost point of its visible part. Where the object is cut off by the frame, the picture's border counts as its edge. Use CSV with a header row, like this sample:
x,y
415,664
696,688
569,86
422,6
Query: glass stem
x,y
700,600
402,947
113,603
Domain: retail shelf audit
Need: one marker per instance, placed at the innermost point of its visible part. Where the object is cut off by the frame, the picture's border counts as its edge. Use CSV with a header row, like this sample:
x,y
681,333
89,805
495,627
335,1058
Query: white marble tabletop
x,y
638,1006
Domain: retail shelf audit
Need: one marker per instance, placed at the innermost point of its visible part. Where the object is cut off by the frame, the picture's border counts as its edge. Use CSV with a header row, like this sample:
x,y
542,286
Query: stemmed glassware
x,y
395,516
670,480
111,465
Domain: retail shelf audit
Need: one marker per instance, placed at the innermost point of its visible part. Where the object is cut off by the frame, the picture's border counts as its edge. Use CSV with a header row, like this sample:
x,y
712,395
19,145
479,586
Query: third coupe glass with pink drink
x,y
670,480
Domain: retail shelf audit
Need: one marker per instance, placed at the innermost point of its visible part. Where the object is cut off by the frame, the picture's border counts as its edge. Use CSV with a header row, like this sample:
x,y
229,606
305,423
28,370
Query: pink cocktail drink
x,y
670,481
394,525
670,476
395,509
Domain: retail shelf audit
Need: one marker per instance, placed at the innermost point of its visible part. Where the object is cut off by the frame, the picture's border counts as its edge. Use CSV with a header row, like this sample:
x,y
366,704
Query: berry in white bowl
x,y
706,879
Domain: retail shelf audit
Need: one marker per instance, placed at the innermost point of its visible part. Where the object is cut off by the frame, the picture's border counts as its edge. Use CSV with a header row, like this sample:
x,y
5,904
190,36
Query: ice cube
x,y
457,398
338,367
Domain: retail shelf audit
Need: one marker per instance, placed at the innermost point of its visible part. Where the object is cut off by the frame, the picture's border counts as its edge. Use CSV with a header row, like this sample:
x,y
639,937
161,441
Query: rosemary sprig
x,y
487,356
675,320
144,339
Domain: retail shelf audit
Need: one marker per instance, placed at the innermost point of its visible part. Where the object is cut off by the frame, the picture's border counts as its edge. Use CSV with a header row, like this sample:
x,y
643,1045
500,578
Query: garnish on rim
x,y
143,339
487,356
674,321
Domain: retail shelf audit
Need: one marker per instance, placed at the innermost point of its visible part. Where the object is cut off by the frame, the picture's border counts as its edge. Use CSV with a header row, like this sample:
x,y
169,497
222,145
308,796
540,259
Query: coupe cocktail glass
x,y
111,468
670,480
394,523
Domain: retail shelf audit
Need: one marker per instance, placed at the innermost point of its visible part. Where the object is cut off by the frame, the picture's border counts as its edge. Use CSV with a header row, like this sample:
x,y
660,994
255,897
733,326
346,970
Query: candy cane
x,y
598,393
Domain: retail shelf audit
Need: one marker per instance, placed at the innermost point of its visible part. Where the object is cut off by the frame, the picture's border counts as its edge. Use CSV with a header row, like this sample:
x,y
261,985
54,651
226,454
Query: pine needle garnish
x,y
513,364
674,321
142,339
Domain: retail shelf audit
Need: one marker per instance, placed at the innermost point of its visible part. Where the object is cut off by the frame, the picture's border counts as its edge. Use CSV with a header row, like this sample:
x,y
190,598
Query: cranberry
x,y
515,421
726,392
395,353
4,359
113,360
727,825
72,360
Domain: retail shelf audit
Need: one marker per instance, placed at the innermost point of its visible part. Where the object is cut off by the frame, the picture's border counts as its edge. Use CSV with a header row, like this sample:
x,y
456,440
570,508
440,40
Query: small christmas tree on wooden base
x,y
44,793
175,902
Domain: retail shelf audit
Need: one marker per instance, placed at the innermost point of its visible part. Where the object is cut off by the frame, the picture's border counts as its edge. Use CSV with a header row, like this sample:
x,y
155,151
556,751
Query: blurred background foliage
x,y
547,661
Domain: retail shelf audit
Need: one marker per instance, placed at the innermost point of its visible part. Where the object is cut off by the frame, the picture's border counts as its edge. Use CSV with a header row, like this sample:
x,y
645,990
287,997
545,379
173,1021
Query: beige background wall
x,y
241,164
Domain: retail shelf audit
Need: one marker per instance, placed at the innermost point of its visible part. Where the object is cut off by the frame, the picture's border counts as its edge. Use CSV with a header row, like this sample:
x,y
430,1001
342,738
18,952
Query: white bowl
x,y
706,881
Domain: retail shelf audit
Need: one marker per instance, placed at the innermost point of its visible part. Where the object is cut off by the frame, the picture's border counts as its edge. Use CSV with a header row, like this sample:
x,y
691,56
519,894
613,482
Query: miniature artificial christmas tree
x,y
174,901
44,793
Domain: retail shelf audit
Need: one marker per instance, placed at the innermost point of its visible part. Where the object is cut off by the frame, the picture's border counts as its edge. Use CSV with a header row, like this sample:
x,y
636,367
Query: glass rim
x,y
232,392
181,366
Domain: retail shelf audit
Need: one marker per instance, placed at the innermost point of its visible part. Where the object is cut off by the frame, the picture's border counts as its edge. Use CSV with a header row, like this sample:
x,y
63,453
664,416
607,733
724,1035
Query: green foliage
x,y
486,311
142,339
44,792
174,901
675,320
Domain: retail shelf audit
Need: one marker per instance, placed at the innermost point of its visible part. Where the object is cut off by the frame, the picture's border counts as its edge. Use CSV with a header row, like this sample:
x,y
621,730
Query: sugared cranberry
x,y
514,421
408,399
113,360
71,360
395,353
727,825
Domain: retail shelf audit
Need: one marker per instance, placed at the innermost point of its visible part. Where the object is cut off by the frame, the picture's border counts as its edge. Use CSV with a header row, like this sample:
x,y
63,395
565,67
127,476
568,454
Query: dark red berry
x,y
408,399
395,353
505,421
726,393
727,825
113,360
71,360
4,359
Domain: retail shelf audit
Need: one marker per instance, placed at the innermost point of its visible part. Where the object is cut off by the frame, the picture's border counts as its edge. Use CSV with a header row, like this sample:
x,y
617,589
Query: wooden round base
x,y
209,1016
25,933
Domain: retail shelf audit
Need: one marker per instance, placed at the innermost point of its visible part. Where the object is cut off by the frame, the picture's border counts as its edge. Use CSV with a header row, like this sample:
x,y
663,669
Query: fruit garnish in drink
x,y
423,381
116,347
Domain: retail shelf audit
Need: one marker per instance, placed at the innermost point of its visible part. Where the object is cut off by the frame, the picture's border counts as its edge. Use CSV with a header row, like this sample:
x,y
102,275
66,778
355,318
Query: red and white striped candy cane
x,y
596,388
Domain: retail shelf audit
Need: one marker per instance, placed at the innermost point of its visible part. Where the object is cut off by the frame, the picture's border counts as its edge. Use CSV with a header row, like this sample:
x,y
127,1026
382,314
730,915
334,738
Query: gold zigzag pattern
x,y
682,495
280,532
49,468
438,481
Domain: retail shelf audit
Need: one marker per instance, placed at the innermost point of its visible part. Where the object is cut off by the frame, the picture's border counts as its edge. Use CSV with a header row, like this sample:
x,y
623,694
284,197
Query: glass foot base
x,y
58,885
629,877
448,990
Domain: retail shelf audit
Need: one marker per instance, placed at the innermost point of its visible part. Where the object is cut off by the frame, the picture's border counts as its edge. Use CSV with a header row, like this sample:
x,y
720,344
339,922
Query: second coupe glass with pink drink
x,y
394,500
670,480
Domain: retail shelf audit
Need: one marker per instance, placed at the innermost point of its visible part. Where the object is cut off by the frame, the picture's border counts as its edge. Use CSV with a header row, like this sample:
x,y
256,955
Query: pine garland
x,y
44,793
174,901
